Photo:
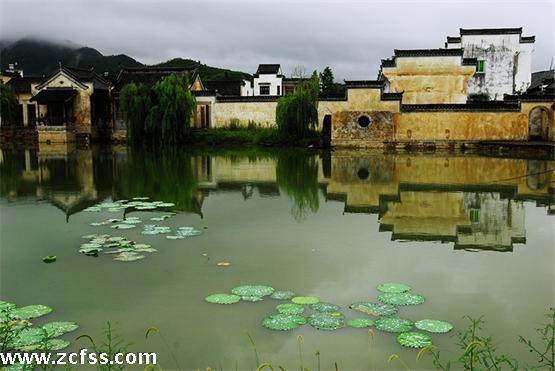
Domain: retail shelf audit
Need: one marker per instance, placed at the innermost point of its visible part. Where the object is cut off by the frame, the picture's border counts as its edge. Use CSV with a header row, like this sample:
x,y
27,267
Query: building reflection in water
x,y
474,202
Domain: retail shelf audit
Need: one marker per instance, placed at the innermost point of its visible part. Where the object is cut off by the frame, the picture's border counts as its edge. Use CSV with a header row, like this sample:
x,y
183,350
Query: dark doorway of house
x,y
326,131
538,123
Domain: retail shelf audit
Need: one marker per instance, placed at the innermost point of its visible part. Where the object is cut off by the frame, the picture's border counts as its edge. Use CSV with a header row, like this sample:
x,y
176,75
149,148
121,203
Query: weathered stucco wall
x,y
430,79
262,113
349,132
461,125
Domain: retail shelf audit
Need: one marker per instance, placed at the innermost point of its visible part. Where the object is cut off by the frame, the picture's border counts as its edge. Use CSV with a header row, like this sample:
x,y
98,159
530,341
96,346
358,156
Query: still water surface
x,y
473,234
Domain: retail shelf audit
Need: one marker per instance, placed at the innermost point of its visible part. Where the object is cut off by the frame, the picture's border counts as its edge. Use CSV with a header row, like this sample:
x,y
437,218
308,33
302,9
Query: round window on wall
x,y
363,121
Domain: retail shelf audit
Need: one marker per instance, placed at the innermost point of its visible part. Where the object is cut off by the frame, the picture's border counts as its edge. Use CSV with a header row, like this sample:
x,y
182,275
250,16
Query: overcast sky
x,y
350,36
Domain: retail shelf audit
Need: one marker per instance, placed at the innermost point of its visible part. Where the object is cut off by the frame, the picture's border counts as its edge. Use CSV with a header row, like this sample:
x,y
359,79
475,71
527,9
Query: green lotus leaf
x,y
375,309
432,325
393,324
111,245
128,256
31,311
253,290
166,204
393,287
361,322
404,298
324,307
141,198
49,259
223,298
91,245
305,300
4,305
188,231
123,226
145,207
175,237
282,295
290,308
414,339
56,344
116,239
26,337
326,321
145,249
55,329
251,298
131,221
283,322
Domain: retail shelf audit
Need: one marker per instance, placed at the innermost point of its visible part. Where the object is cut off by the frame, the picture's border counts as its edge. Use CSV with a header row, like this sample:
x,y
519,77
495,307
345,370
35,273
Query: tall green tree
x,y
327,85
297,113
170,117
8,104
136,101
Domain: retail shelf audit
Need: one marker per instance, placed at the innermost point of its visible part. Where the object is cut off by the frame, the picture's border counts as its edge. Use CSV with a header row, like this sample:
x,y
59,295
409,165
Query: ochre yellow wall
x,y
429,79
262,113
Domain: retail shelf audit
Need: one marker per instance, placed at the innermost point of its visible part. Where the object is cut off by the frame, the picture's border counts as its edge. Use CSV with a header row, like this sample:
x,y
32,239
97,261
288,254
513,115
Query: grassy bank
x,y
250,136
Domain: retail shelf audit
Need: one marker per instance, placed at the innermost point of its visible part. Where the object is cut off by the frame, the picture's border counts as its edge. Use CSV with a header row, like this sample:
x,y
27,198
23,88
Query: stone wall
x,y
347,130
57,135
242,112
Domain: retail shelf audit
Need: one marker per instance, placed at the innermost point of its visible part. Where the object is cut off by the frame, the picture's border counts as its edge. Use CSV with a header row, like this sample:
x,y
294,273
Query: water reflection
x,y
471,201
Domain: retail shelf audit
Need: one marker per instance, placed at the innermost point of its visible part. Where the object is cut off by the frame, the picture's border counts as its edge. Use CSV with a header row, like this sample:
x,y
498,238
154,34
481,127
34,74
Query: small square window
x,y
264,89
481,67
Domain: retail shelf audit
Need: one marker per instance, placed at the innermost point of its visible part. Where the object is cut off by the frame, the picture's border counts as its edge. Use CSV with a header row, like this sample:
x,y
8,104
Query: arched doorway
x,y
326,131
538,123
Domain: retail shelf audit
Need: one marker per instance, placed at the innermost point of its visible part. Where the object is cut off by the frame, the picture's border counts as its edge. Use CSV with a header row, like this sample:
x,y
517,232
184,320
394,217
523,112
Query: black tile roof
x,y
473,106
22,85
259,98
150,75
539,77
453,39
225,87
54,95
490,31
470,61
530,97
364,83
428,52
268,69
527,39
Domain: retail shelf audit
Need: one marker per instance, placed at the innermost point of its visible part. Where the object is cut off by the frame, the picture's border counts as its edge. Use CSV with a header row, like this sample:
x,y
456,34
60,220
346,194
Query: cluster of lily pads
x,y
18,333
310,310
125,250
138,203
178,234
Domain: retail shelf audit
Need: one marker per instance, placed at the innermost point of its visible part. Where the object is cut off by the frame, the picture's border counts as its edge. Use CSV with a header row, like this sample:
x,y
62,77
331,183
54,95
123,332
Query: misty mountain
x,y
39,57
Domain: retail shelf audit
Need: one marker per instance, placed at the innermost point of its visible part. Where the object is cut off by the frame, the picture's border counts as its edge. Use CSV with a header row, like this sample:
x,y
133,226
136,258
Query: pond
x,y
473,234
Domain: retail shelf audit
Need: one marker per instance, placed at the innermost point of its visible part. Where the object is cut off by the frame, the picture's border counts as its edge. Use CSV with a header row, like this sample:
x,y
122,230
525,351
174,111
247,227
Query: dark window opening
x,y
363,173
264,89
363,121
481,67
278,91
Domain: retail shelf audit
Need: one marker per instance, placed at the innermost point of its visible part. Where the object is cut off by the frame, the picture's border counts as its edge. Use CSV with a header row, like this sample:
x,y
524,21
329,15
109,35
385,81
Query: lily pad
x,y
414,339
253,290
325,321
290,308
324,307
174,237
128,257
305,300
393,287
26,337
49,259
223,298
188,231
56,344
375,309
393,324
251,298
432,325
55,329
166,204
31,311
282,295
4,306
405,298
360,322
283,322
123,226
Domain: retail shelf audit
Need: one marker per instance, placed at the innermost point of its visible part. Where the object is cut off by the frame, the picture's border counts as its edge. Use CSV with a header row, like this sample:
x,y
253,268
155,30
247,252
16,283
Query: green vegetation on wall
x,y
8,104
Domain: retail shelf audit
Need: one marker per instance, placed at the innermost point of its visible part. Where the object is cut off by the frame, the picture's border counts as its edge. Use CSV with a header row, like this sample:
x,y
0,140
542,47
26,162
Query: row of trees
x,y
8,104
158,113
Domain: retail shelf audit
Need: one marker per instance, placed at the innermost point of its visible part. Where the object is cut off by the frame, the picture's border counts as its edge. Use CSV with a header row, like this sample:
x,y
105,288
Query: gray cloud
x,y
350,36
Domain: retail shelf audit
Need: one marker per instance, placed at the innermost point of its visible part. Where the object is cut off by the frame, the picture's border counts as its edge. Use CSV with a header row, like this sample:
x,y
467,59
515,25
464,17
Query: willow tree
x,y
8,104
297,113
136,101
170,117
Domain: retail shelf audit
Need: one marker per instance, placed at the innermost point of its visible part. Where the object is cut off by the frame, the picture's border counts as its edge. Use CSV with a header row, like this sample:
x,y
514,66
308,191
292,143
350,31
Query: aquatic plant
x,y
393,324
375,309
290,308
223,298
282,295
253,290
283,322
393,287
432,325
112,344
404,298
305,300
360,322
18,334
324,307
326,321
414,339
546,351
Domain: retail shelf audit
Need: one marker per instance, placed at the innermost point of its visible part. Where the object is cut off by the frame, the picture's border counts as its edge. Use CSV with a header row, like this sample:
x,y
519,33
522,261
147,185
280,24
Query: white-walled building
x,y
268,80
504,60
